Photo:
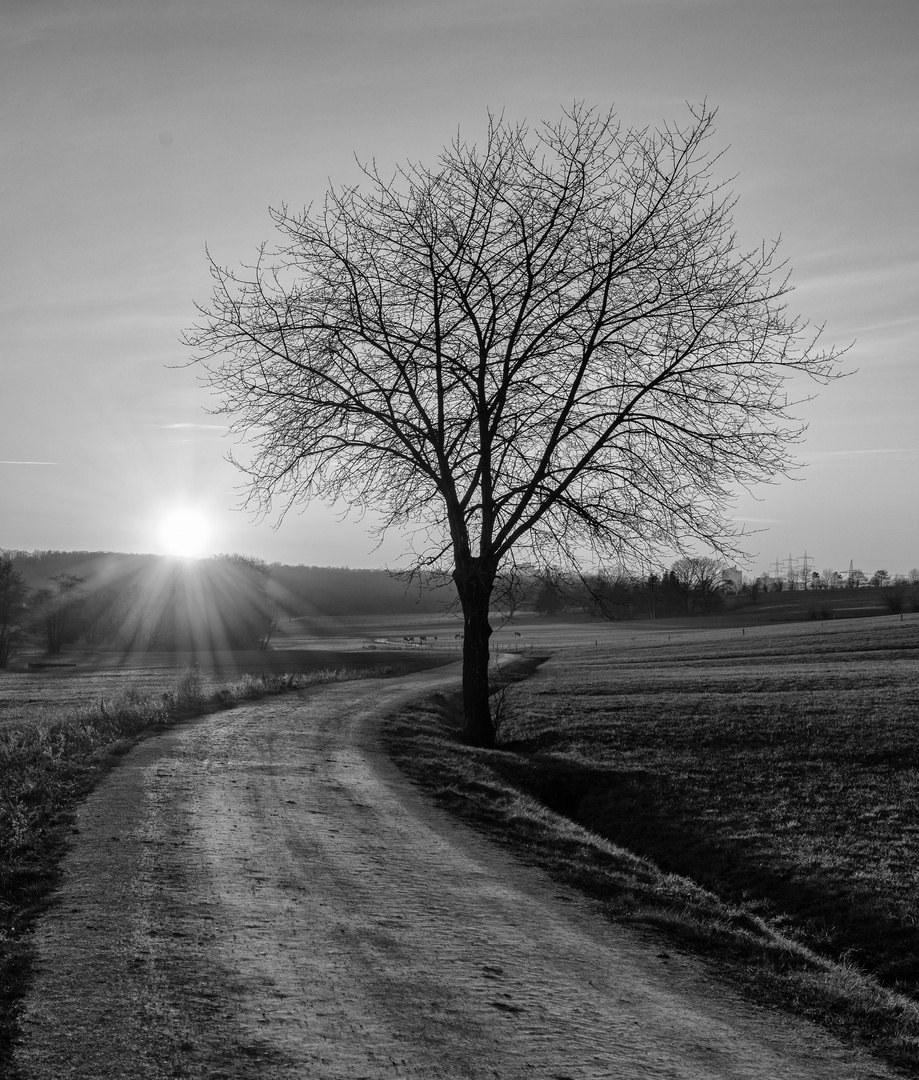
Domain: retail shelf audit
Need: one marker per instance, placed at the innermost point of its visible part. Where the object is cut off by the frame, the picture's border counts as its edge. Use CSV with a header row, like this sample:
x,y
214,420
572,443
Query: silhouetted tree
x,y
753,589
540,351
697,578
13,611
896,595
611,595
56,610
550,599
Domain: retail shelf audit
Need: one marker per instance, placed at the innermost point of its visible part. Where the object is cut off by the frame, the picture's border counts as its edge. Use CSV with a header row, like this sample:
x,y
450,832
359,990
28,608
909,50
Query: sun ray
x,y
184,531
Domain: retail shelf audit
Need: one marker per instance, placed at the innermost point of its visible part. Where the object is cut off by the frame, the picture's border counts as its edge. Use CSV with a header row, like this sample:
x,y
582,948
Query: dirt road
x,y
259,894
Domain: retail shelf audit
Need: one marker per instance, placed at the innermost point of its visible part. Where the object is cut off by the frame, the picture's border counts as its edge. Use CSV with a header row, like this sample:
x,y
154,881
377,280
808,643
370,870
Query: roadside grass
x,y
755,800
51,756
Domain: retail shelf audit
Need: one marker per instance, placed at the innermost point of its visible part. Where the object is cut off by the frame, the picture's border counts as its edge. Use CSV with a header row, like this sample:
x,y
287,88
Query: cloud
x,y
198,427
906,450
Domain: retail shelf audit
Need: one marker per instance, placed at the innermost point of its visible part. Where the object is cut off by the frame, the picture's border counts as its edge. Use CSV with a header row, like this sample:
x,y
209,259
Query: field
x,y
62,725
781,769
81,677
752,793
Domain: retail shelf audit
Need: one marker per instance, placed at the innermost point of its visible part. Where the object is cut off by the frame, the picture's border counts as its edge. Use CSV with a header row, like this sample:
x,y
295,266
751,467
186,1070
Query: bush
x,y
895,599
825,611
188,694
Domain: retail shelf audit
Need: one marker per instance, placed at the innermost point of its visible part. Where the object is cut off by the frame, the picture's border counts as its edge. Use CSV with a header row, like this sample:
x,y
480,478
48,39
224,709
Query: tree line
x,y
221,603
52,599
693,585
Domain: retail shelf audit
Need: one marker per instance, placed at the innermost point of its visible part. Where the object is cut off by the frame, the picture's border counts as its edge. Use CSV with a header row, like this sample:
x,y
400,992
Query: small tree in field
x,y
545,350
56,610
13,596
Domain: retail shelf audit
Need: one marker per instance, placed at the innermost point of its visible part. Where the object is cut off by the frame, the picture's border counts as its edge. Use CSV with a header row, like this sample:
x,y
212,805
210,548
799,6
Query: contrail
x,y
29,463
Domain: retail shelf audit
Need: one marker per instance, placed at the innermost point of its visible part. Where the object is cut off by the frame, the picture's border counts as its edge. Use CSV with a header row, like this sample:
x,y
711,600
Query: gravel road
x,y
260,894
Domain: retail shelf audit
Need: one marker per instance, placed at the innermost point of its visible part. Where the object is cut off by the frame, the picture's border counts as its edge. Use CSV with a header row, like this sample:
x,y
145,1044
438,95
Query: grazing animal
x,y
516,633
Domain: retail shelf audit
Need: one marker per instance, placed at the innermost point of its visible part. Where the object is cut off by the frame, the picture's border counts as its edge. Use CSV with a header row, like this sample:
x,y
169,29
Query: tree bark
x,y
475,580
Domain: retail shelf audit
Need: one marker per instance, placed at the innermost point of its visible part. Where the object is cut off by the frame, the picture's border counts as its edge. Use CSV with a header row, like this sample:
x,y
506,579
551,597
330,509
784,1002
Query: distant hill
x,y
338,591
298,590
331,590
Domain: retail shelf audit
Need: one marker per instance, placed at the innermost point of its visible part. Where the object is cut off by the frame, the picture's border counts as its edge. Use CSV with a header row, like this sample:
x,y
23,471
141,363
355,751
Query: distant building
x,y
732,578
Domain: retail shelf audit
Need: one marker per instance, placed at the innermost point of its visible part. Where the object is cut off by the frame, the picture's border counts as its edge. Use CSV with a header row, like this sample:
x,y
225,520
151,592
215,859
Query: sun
x,y
184,531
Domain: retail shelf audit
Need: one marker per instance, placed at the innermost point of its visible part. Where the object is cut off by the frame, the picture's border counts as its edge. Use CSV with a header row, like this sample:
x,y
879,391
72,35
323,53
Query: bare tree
x,y
697,578
57,608
13,596
546,350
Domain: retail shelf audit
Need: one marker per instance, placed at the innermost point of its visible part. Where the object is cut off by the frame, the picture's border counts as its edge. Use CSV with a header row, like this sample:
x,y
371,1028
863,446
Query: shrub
x,y
188,694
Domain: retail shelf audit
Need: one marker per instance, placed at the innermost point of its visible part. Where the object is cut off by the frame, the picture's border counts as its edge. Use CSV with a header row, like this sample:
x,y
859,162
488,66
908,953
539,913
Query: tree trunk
x,y
474,583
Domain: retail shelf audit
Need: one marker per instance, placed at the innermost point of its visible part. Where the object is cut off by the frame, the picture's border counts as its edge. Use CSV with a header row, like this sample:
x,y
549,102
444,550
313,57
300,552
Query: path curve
x,y
260,894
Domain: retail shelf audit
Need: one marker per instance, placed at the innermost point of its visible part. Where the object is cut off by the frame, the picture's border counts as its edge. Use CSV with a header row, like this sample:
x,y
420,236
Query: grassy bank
x,y
754,799
51,756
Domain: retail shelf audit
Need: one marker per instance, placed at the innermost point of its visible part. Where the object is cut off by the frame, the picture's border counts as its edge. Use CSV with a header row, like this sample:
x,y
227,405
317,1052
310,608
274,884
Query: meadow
x,y
752,794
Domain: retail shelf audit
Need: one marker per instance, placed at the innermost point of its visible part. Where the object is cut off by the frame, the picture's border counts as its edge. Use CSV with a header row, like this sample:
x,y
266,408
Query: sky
x,y
134,134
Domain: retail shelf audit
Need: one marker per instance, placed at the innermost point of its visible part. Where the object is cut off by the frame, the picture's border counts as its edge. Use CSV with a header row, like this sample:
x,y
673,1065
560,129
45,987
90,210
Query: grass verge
x,y
529,800
48,764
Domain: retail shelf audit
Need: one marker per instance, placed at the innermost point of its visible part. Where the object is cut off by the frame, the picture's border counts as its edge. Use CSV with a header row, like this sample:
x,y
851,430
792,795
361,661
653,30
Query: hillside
x,y
298,590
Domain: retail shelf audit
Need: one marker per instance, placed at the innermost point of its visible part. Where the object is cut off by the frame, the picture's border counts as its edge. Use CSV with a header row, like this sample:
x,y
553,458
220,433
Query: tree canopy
x,y
547,349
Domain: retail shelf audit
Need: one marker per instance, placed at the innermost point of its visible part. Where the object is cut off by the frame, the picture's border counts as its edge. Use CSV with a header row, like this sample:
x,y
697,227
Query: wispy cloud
x,y
906,450
29,463
198,427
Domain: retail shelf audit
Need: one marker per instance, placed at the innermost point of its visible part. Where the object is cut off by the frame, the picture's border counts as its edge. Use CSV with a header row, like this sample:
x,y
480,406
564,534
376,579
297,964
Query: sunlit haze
x,y
135,134
184,531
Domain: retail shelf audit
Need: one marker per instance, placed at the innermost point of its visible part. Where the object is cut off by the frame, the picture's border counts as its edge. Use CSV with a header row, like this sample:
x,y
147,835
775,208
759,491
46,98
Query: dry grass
x,y
754,797
60,729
